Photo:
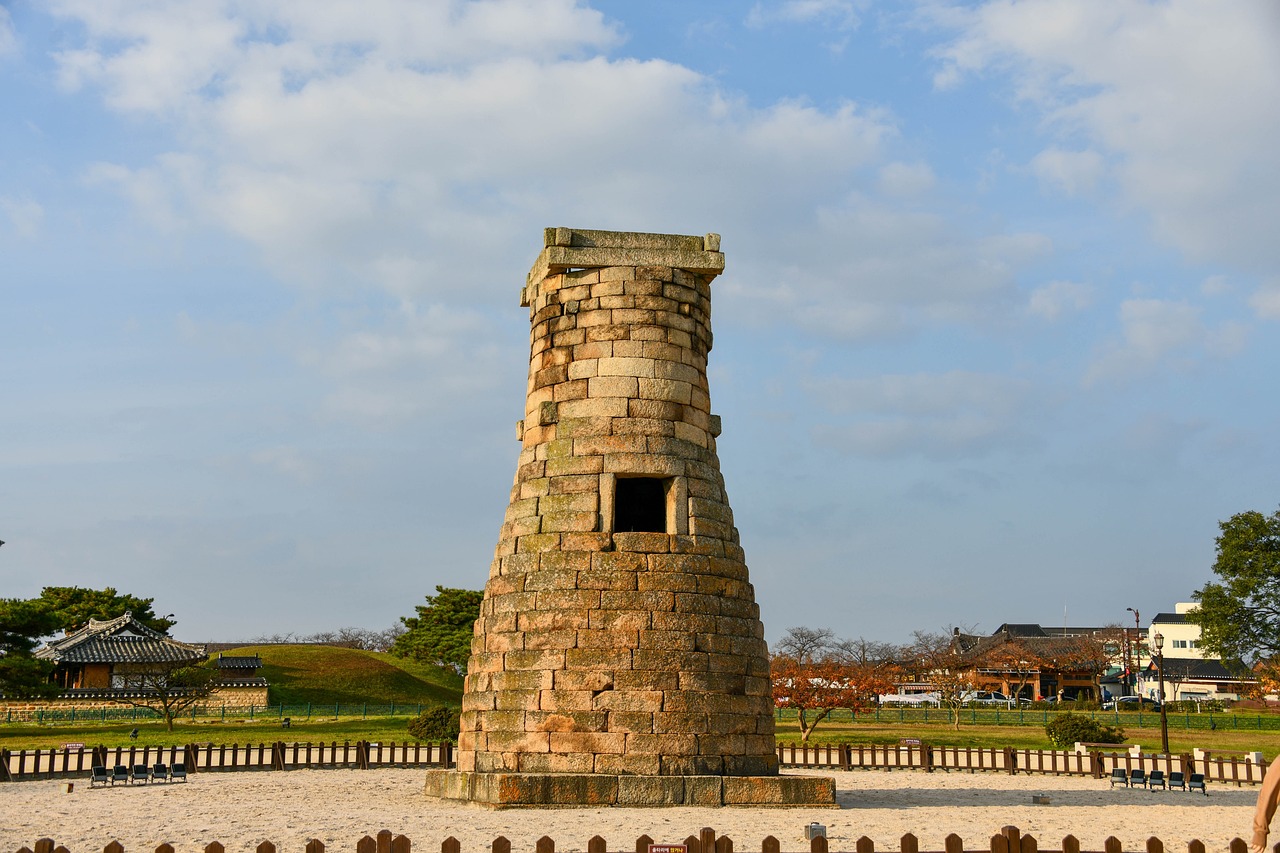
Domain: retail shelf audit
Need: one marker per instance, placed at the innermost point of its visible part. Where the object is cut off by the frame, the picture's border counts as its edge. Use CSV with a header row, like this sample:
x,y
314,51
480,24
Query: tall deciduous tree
x,y
1239,615
22,623
74,606
815,673
441,632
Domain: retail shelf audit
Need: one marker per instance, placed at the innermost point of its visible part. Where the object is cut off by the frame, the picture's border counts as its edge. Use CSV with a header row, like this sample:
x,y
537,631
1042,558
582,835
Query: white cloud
x,y
948,415
843,14
906,179
8,38
1182,98
402,149
1072,172
1265,301
1159,334
25,215
1058,298
1215,285
287,461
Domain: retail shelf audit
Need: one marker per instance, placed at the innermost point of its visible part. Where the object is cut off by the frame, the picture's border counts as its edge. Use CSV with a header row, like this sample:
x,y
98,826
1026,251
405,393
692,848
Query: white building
x,y
1188,674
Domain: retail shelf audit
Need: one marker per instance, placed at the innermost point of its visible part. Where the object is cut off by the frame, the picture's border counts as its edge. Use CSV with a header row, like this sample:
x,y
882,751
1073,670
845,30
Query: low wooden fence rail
x,y
363,755
1008,840
1056,762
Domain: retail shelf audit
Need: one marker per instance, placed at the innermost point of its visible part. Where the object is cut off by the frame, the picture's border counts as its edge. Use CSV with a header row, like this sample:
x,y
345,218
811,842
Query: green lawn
x,y
15,736
1026,736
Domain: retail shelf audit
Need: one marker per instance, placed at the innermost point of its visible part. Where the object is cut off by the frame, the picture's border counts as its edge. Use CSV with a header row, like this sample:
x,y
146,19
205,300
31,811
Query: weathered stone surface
x,y
619,637
614,783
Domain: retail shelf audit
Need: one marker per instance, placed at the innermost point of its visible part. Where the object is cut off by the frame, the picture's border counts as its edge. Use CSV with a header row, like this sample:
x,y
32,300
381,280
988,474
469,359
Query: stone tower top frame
x,y
575,248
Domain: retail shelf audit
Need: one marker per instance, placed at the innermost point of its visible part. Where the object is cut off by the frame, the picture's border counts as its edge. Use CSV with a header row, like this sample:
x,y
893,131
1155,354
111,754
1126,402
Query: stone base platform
x,y
573,790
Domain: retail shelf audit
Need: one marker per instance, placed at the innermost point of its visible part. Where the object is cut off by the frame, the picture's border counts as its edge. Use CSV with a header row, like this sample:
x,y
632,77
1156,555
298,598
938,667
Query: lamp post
x,y
1164,718
1136,646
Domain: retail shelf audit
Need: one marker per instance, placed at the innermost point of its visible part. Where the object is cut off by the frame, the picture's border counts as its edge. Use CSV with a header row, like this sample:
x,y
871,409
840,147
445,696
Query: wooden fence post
x,y
545,844
597,845
769,845
643,842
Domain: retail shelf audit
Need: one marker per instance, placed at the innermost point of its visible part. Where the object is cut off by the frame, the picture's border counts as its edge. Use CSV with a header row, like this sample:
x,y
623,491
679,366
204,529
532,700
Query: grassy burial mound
x,y
329,675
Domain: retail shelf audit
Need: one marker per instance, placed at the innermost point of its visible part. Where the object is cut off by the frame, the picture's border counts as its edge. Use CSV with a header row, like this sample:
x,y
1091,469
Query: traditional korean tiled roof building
x,y
105,653
239,670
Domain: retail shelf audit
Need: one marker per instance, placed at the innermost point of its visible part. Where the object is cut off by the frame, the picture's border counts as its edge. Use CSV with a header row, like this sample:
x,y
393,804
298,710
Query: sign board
x,y
668,848
73,747
909,741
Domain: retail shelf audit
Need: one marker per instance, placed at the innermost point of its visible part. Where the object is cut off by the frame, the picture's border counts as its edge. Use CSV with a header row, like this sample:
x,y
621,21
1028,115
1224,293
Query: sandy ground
x,y
339,806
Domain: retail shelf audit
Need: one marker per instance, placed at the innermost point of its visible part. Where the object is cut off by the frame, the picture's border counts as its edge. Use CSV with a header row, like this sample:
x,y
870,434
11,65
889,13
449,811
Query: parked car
x,y
911,700
1131,703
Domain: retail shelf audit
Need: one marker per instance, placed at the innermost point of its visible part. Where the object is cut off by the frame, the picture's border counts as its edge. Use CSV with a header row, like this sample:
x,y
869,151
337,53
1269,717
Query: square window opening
x,y
640,505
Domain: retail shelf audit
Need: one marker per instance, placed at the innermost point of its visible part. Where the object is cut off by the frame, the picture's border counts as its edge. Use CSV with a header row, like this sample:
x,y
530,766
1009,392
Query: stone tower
x,y
619,655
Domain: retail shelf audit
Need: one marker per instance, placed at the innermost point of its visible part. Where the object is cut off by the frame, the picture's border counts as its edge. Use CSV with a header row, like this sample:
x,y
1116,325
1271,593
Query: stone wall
x,y
237,699
600,650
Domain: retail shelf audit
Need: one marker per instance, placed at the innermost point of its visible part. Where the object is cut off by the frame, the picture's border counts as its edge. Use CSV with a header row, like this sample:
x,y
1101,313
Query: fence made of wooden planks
x,y
1055,762
1009,840
51,763
363,755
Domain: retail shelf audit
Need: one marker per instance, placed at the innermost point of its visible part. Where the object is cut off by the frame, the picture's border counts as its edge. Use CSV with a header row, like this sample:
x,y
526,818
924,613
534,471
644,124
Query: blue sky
x,y
996,339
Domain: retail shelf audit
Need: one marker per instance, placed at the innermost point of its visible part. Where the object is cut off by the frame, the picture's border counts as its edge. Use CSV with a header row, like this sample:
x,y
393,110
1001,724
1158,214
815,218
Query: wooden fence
x,y
362,755
1009,840
1055,762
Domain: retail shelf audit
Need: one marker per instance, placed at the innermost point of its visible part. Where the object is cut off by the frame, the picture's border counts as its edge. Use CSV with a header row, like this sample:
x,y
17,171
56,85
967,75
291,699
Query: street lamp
x,y
1164,718
1136,646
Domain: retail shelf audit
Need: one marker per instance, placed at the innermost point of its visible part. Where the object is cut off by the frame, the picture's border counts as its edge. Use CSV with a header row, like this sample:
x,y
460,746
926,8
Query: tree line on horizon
x,y
814,671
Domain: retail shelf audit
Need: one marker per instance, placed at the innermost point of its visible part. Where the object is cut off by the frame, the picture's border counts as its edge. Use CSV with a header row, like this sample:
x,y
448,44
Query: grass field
x,y
322,727
328,675
1024,736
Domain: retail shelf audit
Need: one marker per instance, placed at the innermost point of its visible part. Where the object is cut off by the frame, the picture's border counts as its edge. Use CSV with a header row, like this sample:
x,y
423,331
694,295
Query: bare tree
x,y
806,645
170,688
948,666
